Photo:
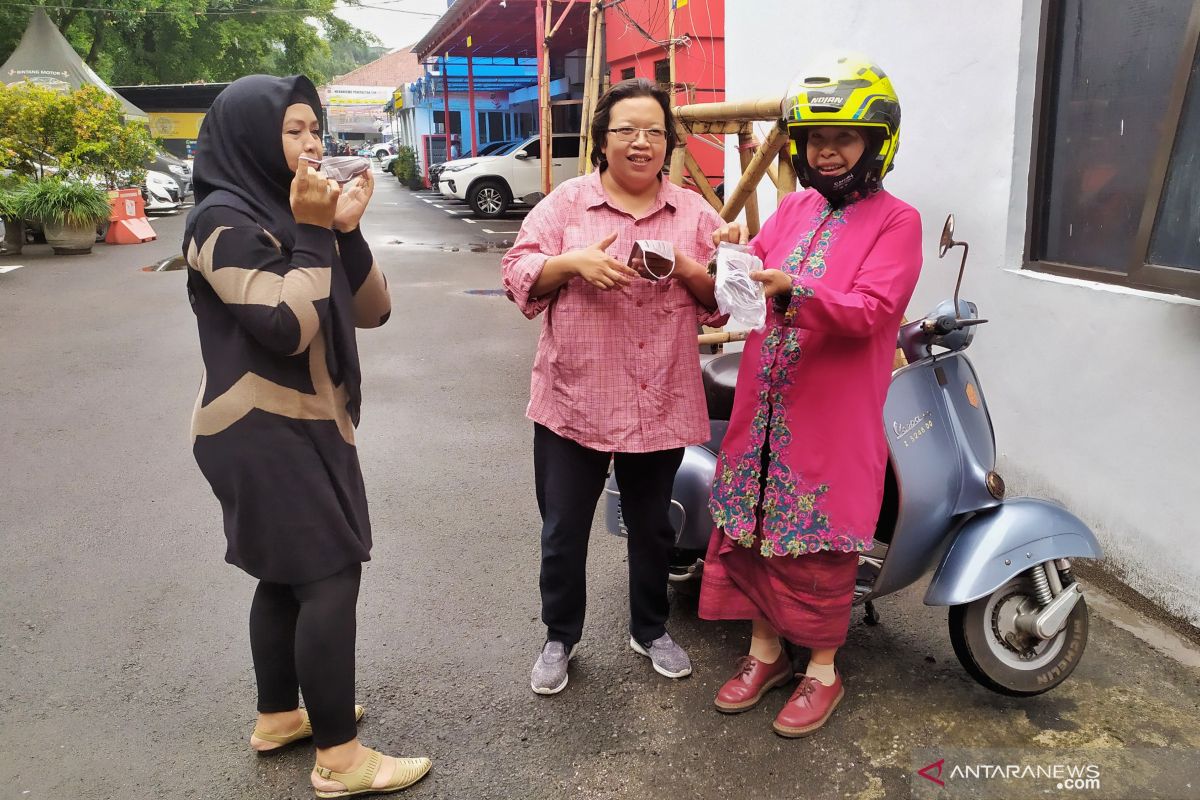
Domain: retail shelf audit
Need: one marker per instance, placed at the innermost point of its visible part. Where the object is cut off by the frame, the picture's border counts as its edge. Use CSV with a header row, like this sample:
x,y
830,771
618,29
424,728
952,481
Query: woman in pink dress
x,y
800,476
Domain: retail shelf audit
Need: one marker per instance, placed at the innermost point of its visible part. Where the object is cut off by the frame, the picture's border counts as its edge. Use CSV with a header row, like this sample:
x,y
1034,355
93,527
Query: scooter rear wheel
x,y
1018,667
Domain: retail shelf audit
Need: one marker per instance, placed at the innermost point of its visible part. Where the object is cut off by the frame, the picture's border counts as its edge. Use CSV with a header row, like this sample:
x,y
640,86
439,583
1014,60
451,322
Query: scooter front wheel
x,y
1007,660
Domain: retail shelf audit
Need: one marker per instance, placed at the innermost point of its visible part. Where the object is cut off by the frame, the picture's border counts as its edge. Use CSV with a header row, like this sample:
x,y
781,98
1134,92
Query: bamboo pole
x,y
709,127
701,180
765,109
598,69
563,16
753,169
589,101
678,156
722,337
746,143
787,173
542,20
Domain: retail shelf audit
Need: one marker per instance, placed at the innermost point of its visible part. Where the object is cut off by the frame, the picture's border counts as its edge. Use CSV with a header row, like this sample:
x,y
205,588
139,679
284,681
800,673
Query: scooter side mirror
x,y
947,240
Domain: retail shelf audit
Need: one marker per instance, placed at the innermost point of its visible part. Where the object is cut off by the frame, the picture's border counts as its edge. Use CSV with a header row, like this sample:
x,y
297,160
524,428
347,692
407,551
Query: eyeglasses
x,y
653,135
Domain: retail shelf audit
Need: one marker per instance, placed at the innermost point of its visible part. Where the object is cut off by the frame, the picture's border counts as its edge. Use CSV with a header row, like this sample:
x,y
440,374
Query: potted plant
x,y
14,226
405,168
68,211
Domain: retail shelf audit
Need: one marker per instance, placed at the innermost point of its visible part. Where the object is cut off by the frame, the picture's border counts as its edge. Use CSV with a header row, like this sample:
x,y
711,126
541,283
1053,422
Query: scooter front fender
x,y
1001,542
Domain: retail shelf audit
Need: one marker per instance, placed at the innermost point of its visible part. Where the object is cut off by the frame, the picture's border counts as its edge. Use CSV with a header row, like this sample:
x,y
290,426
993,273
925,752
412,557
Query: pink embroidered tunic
x,y
802,466
617,370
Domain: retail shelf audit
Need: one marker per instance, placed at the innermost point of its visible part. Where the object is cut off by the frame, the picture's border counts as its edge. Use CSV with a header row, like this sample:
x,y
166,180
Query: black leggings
x,y
302,637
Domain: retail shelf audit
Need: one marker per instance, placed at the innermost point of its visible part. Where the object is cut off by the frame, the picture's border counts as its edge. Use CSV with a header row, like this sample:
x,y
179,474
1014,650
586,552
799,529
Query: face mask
x,y
838,188
654,259
342,169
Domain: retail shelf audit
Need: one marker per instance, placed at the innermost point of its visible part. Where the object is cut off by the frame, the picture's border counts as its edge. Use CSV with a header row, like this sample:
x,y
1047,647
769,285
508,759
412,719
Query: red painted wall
x,y
701,64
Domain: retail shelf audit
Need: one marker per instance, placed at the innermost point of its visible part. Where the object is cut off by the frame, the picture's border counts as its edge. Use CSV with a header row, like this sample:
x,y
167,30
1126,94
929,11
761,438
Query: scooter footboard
x,y
997,544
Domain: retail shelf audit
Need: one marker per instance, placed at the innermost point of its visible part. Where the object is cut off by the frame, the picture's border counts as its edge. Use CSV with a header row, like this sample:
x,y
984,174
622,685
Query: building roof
x,y
503,29
394,69
172,97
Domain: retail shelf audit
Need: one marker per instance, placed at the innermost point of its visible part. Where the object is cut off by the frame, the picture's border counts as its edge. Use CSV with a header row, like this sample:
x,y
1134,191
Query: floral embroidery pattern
x,y
792,520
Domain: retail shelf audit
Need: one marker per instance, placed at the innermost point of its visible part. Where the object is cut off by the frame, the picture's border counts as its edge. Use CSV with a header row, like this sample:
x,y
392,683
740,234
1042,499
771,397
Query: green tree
x,y
102,143
181,41
347,55
82,134
35,128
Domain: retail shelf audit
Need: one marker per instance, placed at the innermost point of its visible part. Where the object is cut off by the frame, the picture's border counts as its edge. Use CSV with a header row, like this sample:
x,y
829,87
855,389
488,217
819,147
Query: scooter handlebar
x,y
947,324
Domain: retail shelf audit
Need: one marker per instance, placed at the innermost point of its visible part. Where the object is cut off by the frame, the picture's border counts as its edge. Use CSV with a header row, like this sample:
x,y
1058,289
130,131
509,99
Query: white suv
x,y
491,184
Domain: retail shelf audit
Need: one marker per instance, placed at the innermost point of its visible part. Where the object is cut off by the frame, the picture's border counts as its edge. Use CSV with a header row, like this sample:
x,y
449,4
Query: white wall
x,y
1095,391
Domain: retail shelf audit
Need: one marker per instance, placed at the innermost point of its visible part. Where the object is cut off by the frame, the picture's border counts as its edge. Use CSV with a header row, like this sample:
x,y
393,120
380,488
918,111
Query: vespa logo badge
x,y
917,427
903,430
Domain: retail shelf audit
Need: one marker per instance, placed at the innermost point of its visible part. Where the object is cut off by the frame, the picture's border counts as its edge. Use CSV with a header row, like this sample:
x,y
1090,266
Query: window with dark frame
x,y
662,73
628,73
1116,183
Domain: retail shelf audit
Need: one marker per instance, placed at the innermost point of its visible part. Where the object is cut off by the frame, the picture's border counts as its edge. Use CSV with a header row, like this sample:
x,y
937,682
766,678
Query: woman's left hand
x,y
353,202
774,281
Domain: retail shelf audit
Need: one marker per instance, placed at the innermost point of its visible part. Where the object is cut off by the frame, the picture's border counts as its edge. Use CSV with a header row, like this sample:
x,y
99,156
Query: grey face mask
x,y
342,169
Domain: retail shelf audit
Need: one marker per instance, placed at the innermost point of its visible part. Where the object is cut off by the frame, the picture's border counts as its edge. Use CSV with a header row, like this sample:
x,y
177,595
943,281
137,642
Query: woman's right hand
x,y
732,232
314,197
599,268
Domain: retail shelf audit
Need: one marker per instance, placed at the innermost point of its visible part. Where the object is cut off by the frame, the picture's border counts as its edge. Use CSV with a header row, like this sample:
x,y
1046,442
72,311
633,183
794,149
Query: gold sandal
x,y
303,732
408,771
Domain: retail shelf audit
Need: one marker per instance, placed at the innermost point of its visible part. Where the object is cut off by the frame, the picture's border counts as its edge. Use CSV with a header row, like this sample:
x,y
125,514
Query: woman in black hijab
x,y
279,277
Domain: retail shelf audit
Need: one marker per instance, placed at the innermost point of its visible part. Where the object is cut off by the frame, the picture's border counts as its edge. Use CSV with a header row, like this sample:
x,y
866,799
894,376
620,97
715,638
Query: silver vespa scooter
x,y
1018,620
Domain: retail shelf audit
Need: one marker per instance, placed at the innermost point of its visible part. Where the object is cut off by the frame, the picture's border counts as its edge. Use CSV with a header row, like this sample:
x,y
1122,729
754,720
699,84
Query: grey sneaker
x,y
667,657
550,669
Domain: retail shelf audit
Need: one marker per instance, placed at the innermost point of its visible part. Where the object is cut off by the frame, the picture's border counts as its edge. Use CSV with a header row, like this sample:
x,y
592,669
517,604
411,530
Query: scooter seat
x,y
720,378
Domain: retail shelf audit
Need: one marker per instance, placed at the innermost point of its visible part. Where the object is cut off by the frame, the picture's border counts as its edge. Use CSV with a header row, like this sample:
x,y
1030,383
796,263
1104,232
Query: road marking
x,y
10,268
489,230
468,221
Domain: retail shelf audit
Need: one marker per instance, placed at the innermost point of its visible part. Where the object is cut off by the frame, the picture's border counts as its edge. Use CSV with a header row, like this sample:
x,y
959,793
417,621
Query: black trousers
x,y
302,638
569,479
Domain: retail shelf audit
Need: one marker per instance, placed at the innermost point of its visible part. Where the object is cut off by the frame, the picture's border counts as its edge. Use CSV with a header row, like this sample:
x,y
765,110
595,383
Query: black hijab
x,y
240,164
239,153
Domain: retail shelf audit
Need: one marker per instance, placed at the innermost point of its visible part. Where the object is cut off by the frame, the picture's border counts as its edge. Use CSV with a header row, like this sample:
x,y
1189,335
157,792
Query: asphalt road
x,y
124,660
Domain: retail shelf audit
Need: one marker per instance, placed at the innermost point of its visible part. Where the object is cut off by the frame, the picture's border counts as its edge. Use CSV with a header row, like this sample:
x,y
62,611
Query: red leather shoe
x,y
809,707
752,680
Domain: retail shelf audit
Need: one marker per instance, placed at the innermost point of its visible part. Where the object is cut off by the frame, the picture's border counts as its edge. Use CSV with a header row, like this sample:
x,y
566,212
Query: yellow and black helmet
x,y
844,89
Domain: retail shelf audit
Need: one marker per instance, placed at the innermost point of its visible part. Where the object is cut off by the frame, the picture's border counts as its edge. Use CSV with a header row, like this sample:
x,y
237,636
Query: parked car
x,y
489,149
493,184
381,150
176,167
161,192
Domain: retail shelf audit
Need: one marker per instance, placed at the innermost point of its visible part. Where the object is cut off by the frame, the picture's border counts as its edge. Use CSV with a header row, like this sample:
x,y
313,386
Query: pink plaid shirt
x,y
618,370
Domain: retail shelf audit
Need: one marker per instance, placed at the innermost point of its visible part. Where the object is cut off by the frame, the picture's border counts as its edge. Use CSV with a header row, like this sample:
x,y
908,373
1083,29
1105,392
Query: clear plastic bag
x,y
738,296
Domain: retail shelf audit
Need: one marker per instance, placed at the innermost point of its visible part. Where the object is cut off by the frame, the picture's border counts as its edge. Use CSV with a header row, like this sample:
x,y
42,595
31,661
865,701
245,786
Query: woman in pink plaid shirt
x,y
616,372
